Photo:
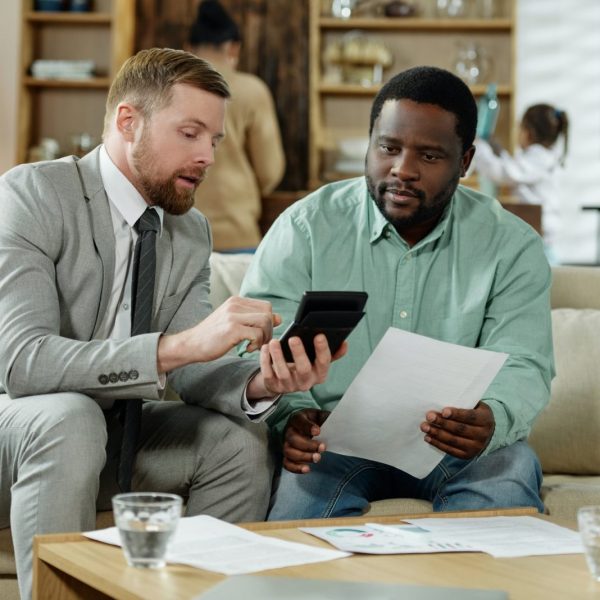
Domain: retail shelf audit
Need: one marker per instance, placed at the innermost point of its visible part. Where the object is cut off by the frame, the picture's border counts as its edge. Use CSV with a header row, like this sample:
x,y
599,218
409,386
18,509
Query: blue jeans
x,y
340,486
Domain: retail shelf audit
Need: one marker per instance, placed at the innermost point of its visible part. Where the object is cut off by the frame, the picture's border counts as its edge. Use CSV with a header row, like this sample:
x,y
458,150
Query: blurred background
x,y
323,61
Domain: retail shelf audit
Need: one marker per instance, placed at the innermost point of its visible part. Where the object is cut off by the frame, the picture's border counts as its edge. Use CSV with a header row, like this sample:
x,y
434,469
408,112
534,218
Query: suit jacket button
x,y
113,378
133,374
103,379
123,376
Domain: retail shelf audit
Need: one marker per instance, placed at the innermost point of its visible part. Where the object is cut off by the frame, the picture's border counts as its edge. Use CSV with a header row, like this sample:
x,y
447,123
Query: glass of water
x,y
588,518
146,522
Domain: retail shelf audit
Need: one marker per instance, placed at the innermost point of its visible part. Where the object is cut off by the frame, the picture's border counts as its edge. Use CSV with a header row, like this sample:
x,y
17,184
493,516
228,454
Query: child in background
x,y
531,173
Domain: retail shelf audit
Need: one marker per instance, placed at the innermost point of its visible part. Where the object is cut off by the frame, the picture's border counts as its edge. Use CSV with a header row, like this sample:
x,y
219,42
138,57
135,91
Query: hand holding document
x,y
407,375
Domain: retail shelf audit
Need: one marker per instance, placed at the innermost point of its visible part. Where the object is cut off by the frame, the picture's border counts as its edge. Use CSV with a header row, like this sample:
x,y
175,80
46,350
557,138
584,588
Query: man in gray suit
x,y
66,353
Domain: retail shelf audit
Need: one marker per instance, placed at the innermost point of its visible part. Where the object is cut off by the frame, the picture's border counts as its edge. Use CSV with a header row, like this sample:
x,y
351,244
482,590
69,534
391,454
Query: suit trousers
x,y
58,464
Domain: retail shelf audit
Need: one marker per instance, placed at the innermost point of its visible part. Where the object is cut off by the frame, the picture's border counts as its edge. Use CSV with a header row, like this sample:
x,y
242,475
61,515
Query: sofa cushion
x,y
564,494
398,506
226,274
565,435
7,557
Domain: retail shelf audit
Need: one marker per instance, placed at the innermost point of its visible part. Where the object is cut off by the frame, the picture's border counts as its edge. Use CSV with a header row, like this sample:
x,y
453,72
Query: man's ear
x,y
127,120
466,159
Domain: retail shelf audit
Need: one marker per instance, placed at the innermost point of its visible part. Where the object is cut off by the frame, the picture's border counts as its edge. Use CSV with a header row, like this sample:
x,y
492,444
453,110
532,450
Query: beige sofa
x,y
566,436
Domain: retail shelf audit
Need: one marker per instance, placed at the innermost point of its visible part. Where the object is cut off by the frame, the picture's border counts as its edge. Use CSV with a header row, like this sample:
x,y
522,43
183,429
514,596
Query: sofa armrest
x,y
576,287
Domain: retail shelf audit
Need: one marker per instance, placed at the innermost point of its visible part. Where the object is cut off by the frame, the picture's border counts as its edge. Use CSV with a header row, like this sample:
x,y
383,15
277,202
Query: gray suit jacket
x,y
56,274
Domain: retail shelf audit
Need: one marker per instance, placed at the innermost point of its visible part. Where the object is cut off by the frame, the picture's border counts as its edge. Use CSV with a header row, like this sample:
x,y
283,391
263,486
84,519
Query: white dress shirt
x,y
126,207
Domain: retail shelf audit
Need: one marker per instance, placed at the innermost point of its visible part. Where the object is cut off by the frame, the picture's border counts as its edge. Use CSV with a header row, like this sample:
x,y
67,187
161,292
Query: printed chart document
x,y
373,538
505,537
502,537
214,545
407,375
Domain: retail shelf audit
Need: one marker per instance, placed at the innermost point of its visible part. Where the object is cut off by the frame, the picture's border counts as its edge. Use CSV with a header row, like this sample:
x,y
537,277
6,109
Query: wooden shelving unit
x,y
339,110
60,108
416,24
360,90
68,18
93,83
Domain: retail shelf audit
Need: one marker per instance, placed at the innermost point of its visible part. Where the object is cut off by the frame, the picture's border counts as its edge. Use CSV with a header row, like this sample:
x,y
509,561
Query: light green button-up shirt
x,y
479,279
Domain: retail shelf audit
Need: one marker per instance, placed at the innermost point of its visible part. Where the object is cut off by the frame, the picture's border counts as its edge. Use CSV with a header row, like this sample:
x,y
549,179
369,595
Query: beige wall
x,y
9,71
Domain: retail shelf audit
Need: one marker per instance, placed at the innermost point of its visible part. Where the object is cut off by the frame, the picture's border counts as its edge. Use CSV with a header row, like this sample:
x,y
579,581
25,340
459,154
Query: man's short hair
x,y
431,85
146,80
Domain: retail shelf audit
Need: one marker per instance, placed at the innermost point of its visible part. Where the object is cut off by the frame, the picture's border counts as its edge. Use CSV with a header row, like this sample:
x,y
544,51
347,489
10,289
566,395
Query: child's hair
x,y
545,124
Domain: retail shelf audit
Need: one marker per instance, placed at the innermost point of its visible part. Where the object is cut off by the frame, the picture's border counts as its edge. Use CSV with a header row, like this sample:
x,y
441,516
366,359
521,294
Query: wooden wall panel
x,y
275,47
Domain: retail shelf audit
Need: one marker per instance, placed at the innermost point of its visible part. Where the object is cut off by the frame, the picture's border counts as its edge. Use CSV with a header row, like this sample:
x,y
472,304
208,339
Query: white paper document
x,y
505,537
502,537
208,543
378,417
373,538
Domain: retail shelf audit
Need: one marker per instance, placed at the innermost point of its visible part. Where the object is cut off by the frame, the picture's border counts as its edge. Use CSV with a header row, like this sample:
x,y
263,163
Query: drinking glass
x,y
451,8
588,518
146,522
472,64
342,9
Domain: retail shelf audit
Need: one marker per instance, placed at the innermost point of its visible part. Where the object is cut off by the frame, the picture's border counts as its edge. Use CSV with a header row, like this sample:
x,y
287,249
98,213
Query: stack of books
x,y
63,69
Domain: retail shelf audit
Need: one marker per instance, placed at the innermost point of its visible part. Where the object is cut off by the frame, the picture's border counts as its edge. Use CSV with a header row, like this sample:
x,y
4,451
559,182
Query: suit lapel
x,y
164,260
101,222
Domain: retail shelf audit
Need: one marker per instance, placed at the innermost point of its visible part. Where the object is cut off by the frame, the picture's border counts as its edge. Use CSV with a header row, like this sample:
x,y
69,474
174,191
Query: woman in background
x,y
532,172
250,160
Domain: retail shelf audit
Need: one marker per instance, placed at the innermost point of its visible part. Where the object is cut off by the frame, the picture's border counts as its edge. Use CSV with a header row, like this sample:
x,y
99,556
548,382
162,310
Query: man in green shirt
x,y
436,259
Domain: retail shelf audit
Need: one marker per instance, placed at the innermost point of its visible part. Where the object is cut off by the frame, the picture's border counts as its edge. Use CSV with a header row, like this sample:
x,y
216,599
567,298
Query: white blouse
x,y
532,174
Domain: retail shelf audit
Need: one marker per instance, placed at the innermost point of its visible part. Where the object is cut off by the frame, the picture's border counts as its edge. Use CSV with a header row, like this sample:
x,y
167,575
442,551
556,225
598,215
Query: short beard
x,y
167,196
161,193
426,211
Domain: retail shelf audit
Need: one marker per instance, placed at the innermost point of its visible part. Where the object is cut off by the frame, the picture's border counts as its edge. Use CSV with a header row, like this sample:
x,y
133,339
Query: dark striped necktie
x,y
142,296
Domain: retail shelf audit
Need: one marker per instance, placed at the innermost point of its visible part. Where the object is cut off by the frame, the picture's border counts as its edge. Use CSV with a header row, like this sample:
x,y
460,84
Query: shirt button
x,y
386,234
125,306
403,314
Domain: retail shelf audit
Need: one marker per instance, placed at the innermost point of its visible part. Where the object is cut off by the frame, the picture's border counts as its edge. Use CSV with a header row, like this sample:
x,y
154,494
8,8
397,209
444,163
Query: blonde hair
x,y
147,78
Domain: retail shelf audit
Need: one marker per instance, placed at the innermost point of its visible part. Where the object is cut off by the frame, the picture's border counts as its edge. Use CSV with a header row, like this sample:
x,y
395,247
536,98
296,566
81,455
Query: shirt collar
x,y
122,193
380,226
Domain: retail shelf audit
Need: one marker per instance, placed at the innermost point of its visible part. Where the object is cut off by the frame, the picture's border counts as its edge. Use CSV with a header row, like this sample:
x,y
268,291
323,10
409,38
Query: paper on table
x,y
208,543
505,537
502,537
373,538
407,375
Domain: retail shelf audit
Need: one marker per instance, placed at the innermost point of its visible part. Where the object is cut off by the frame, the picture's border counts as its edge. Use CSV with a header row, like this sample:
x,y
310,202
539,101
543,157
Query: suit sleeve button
x,y
113,378
123,376
103,379
133,374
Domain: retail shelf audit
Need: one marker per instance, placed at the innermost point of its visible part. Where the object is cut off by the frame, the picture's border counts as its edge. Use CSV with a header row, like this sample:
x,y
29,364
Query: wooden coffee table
x,y
70,566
